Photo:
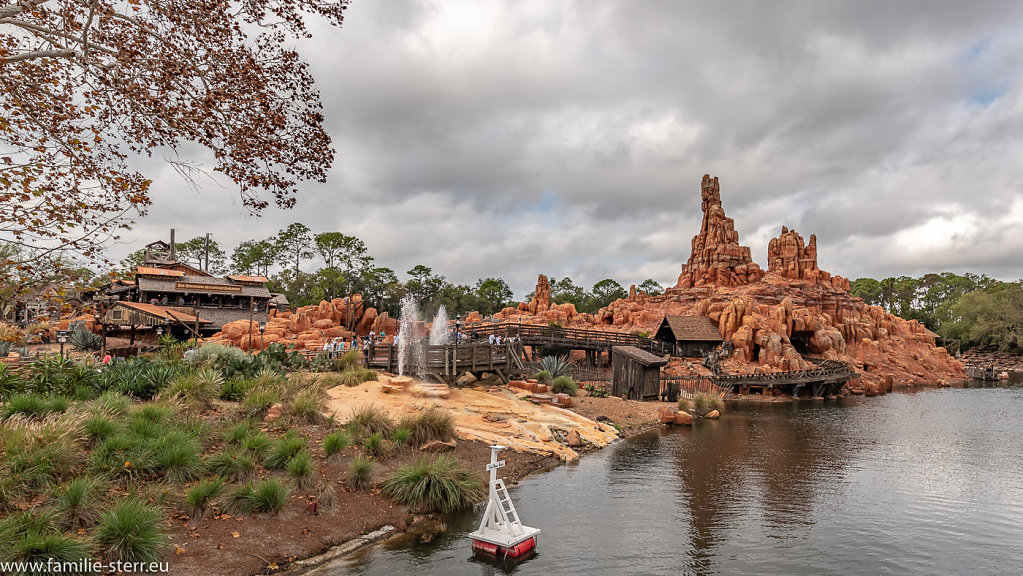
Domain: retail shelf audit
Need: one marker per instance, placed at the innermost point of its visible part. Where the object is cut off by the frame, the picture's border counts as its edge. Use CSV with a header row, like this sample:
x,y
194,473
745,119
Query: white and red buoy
x,y
501,533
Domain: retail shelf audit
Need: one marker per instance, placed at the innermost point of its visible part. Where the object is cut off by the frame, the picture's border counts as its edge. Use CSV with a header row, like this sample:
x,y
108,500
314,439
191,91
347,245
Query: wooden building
x,y
134,315
692,336
635,373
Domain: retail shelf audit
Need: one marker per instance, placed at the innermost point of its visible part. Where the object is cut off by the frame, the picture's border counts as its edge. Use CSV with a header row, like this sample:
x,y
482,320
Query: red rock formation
x,y
541,301
774,320
717,258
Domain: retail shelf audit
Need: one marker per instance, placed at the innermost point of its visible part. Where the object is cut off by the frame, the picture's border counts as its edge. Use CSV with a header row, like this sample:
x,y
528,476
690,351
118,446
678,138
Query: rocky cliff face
x,y
717,259
778,319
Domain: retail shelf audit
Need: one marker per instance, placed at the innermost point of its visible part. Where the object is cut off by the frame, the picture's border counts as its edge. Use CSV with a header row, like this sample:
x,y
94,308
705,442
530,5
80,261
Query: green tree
x,y
565,291
607,291
651,287
254,257
346,255
293,244
989,317
492,294
381,289
868,289
194,252
423,285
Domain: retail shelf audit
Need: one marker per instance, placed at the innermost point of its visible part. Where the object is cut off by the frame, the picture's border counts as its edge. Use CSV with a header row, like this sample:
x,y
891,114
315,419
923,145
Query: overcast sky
x,y
512,138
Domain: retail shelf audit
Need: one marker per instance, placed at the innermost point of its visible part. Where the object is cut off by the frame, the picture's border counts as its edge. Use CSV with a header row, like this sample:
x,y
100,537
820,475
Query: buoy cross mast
x,y
501,533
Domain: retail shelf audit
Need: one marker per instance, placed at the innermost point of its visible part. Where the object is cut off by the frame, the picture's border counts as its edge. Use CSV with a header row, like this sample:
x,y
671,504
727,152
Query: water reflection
x,y
904,484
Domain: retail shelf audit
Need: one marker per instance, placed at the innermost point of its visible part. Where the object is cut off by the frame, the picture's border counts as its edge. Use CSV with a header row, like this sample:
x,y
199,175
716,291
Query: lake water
x,y
929,482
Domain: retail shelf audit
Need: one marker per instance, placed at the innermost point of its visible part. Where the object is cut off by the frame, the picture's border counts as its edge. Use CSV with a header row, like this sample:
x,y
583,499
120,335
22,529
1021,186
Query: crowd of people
x,y
337,346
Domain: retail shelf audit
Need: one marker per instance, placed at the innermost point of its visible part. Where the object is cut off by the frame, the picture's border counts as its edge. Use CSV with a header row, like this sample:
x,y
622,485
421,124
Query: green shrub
x,y
218,355
58,404
259,399
131,531
284,450
268,496
335,442
177,457
360,473
199,498
157,413
300,467
76,504
374,444
430,424
307,406
231,464
435,485
348,360
372,419
565,385
543,377
400,437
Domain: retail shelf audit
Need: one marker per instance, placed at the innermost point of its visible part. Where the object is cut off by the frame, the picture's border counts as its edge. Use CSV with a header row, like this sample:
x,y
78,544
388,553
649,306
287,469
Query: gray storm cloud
x,y
569,138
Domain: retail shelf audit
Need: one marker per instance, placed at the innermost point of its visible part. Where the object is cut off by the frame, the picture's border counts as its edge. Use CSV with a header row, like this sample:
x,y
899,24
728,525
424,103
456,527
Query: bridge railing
x,y
533,335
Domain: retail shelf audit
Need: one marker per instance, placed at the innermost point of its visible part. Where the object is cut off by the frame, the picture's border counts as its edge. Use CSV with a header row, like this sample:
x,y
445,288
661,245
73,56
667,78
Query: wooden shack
x,y
692,336
635,373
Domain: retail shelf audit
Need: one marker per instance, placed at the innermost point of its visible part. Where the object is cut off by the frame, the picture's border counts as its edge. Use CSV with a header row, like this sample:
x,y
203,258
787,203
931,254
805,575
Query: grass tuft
x,y
435,485
231,464
371,420
360,473
565,385
300,468
431,424
199,498
131,531
76,504
335,442
284,450
374,444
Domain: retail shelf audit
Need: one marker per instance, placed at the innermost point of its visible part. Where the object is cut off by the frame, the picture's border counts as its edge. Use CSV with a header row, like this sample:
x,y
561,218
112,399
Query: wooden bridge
x,y
594,342
826,378
449,361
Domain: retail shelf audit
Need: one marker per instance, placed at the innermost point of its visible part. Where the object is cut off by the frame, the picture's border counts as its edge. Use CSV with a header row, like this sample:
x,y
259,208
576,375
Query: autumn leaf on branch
x,y
86,85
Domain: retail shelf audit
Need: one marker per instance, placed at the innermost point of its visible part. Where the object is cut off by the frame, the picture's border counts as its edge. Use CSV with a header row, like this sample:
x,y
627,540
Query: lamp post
x,y
62,338
262,328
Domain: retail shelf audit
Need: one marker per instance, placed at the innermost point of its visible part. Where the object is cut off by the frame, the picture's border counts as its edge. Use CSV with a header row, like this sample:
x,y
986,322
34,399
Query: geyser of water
x,y
439,333
410,344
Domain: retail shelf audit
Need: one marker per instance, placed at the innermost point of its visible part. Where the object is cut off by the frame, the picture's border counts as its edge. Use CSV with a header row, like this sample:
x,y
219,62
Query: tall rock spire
x,y
717,258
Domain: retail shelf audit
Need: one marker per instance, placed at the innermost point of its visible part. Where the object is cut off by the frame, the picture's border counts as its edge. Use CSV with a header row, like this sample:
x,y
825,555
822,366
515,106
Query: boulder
x,y
573,439
683,419
713,415
666,415
439,446
274,412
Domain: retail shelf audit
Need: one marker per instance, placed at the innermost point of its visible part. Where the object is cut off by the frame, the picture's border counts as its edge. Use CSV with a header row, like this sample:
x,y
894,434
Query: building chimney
x,y
173,258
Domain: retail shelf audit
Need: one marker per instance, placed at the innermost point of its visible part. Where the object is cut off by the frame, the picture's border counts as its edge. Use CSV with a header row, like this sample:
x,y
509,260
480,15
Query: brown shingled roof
x,y
148,271
642,356
693,328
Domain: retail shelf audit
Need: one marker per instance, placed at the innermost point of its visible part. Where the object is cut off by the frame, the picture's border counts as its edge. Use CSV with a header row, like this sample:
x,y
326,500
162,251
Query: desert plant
x,y
284,450
348,360
371,419
555,365
565,385
355,376
374,444
231,464
360,473
85,340
335,442
430,424
199,498
234,389
435,485
131,531
300,468
113,403
76,504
